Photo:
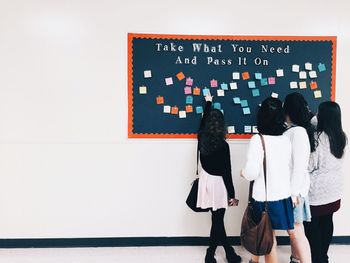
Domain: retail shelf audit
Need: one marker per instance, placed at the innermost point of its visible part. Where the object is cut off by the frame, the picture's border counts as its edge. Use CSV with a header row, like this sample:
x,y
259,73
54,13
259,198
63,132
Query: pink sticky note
x,y
214,83
272,80
169,81
188,90
189,81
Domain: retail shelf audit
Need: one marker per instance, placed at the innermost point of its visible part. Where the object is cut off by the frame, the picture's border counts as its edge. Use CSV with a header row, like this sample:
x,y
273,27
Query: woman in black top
x,y
215,187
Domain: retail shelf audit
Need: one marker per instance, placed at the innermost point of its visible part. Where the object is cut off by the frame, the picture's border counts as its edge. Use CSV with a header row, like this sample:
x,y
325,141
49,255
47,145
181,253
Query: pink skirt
x,y
212,192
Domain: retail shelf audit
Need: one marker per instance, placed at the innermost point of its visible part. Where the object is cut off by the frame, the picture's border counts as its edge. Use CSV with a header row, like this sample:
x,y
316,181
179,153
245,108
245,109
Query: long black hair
x,y
270,117
329,121
297,109
212,136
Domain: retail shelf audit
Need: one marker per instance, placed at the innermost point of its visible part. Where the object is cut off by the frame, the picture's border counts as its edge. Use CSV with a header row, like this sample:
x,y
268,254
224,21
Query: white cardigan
x,y
278,158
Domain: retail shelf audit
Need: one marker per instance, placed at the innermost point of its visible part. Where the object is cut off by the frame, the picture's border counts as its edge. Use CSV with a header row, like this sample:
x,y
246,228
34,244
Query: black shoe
x,y
209,257
232,257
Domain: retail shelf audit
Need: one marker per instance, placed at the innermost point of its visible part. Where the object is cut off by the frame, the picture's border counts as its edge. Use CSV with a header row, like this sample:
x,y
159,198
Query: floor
x,y
338,254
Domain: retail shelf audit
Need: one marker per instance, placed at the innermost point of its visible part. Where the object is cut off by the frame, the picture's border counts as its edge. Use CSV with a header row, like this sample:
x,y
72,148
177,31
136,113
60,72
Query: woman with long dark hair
x,y
326,179
215,187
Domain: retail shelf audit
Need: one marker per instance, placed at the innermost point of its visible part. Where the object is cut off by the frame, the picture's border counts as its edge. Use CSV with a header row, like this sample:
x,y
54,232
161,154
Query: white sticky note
x,y
255,129
221,93
302,75
274,95
147,74
143,89
166,109
317,94
302,85
279,73
182,114
313,74
295,68
308,66
235,75
233,85
248,129
293,85
231,129
169,81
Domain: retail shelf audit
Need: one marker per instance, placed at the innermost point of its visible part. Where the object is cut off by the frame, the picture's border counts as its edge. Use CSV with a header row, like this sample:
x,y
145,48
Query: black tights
x,y
319,232
217,233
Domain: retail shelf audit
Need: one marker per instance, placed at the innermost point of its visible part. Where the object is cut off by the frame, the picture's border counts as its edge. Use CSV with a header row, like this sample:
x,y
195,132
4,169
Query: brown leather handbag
x,y
257,237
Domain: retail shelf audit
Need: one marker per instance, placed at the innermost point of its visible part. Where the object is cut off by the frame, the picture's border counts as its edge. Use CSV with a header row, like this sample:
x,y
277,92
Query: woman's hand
x,y
208,97
295,200
233,202
241,174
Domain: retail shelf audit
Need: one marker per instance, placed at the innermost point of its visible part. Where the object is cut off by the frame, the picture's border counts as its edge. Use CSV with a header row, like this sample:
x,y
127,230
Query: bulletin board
x,y
169,74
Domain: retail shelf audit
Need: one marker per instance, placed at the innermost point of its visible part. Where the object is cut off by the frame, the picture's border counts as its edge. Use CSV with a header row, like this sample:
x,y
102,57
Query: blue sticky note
x,y
217,105
206,91
224,86
255,92
199,109
258,75
251,84
244,103
189,99
236,100
246,111
321,67
263,82
222,111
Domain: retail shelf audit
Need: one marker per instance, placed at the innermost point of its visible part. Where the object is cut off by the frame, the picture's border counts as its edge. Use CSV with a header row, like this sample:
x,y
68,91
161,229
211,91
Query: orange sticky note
x,y
196,91
180,76
245,75
160,100
189,108
174,110
313,85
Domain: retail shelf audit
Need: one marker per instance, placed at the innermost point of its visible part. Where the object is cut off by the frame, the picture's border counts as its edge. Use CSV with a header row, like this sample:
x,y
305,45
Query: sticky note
x,y
244,103
196,91
199,109
255,129
245,75
317,94
214,83
279,72
295,68
169,81
166,109
272,80
258,76
189,99
293,85
321,67
180,76
217,105
206,92
174,110
302,85
274,95
263,82
147,74
160,100
231,129
236,100
313,74
189,108
246,111
248,129
143,90
235,75
189,81
313,85
251,84
222,111
221,93
308,66
302,75
188,90
255,92
224,86
233,85
182,114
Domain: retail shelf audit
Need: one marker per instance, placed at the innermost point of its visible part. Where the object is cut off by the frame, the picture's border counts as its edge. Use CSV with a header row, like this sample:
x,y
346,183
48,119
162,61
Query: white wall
x,y
67,168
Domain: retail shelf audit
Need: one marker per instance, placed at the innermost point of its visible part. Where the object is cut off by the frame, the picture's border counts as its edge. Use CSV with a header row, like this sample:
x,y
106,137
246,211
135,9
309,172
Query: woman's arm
x,y
255,157
227,175
207,109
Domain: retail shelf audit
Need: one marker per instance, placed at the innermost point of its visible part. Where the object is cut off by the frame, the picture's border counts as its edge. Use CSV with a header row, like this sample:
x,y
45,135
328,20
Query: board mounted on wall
x,y
168,75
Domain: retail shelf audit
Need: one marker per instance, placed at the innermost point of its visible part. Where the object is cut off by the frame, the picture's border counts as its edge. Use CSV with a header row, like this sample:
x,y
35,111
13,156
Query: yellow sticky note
x,y
317,94
143,90
302,85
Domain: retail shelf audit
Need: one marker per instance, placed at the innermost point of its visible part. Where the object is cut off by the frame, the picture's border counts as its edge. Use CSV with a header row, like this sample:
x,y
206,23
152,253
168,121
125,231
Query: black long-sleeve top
x,y
218,162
